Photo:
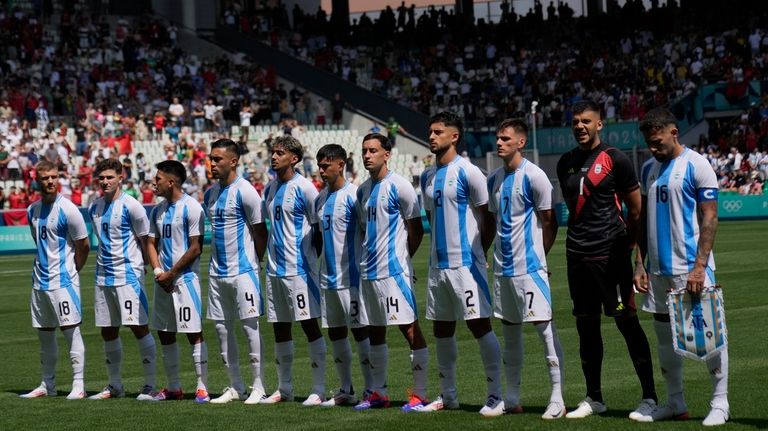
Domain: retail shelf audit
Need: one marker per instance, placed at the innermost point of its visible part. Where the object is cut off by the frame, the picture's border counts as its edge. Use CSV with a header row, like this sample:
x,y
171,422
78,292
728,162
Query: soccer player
x,y
122,226
238,240
456,199
679,191
595,179
521,196
61,238
293,293
340,272
389,211
174,246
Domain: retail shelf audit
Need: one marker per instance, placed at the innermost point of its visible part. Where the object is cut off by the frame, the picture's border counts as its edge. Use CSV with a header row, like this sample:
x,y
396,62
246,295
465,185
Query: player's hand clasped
x,y
165,280
695,282
640,279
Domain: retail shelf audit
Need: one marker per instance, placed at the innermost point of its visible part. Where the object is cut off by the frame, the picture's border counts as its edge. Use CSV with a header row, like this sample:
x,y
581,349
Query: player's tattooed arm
x,y
707,230
633,202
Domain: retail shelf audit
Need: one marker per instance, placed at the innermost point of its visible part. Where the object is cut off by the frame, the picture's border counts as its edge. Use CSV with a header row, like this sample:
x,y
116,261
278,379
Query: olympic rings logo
x,y
732,206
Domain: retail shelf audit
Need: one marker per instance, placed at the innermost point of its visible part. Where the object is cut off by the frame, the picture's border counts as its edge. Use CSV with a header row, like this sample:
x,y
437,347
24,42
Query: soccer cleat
x,y
341,398
76,394
555,410
664,412
277,397
718,415
202,396
168,395
644,409
147,394
493,407
227,395
256,397
373,401
440,403
109,392
40,391
415,403
587,408
313,400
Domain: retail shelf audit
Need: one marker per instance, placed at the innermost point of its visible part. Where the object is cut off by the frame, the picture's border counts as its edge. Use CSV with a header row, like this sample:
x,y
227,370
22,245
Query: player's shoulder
x,y
397,181
191,203
66,206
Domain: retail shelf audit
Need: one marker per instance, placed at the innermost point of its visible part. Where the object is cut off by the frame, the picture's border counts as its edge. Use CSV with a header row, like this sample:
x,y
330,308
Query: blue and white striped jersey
x,y
232,210
119,225
516,197
290,208
674,190
174,225
340,263
452,194
55,228
382,208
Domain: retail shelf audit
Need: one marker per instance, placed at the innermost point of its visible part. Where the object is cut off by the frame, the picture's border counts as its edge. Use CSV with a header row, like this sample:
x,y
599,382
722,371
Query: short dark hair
x,y
174,168
450,119
586,105
228,144
517,124
289,143
657,119
383,140
331,152
108,164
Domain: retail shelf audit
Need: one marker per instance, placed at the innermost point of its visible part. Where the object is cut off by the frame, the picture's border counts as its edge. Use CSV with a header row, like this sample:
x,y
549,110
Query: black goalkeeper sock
x,y
640,352
591,352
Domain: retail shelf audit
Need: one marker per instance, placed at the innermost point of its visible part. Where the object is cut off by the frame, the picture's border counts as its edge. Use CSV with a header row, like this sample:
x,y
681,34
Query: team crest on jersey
x,y
451,182
598,168
518,190
677,175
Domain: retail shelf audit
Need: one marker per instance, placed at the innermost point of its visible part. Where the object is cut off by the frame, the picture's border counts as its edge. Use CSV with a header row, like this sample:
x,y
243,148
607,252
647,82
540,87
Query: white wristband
x,y
158,271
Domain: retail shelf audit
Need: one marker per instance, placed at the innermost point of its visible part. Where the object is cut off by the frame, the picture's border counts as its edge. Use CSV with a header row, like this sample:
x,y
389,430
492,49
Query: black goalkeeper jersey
x,y
591,182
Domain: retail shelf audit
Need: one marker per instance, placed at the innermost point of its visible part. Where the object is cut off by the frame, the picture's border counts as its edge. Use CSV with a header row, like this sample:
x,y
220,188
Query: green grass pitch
x,y
739,253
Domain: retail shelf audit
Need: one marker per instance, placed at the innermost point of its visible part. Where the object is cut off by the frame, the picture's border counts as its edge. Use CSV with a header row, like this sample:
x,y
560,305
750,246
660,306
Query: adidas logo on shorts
x,y
393,317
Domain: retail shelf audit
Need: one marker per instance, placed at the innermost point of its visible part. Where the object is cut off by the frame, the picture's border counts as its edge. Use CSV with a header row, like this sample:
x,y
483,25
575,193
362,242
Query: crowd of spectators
x,y
628,59
80,87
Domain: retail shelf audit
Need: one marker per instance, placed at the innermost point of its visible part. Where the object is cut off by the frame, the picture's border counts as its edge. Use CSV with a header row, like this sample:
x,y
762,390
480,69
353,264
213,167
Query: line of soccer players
x,y
344,255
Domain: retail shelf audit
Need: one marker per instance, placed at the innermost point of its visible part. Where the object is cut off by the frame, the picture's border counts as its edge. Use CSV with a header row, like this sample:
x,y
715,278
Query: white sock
x,y
718,372
379,357
284,361
76,356
671,364
255,352
49,352
317,353
113,350
171,365
364,354
490,353
200,361
513,361
419,367
148,358
228,349
342,357
549,338
447,353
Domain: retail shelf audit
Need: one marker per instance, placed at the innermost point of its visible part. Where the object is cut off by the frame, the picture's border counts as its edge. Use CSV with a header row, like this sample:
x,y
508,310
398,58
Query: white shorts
x,y
234,298
458,294
292,299
58,307
524,298
660,286
342,307
389,301
121,305
180,310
